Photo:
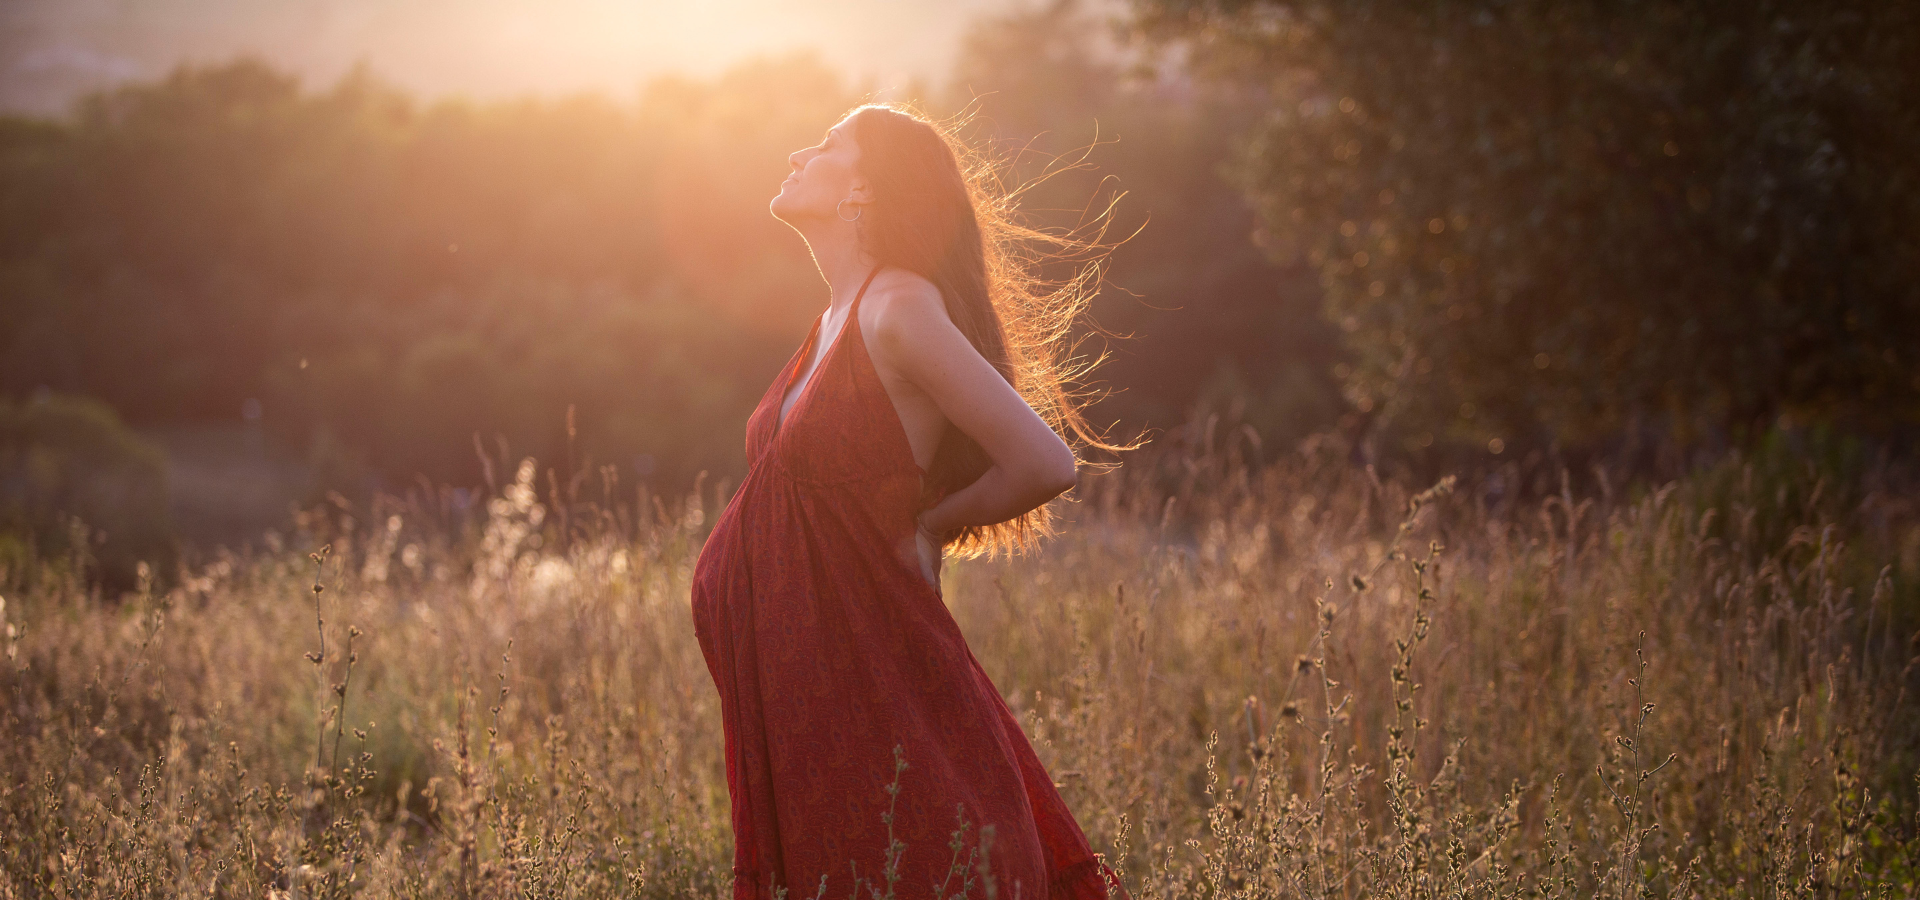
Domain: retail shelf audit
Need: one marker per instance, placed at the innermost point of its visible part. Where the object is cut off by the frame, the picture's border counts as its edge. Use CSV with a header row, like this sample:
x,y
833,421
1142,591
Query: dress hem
x,y
1088,879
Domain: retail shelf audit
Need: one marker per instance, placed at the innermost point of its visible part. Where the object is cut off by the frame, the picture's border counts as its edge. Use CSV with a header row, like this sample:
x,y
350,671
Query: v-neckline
x,y
800,396
784,411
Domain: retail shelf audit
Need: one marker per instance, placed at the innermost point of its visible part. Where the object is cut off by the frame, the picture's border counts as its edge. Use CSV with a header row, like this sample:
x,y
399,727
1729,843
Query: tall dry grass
x,y
1290,680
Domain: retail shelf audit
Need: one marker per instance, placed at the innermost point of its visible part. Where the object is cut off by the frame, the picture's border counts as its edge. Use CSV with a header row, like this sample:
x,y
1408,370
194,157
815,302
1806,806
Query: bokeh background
x,y
1530,504
253,253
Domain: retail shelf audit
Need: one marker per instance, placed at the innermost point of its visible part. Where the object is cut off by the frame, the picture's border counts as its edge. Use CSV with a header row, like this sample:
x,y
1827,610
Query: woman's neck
x,y
841,260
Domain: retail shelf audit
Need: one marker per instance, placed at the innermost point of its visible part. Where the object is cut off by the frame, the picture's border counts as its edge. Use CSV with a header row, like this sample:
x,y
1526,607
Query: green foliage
x,y
1207,318
1561,219
400,275
80,488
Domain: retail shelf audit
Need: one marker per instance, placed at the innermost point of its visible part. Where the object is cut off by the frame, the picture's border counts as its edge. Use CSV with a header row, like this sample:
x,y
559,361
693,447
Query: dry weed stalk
x,y
1475,720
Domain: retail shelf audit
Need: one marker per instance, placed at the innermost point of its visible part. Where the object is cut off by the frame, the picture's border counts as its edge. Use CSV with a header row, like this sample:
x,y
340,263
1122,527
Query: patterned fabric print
x,y
829,648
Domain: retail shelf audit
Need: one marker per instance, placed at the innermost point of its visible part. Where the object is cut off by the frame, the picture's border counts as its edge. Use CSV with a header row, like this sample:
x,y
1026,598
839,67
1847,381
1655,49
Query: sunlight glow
x,y
54,49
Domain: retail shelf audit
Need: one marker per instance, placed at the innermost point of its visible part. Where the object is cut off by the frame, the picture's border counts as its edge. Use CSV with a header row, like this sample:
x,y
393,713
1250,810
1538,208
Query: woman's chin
x,y
786,209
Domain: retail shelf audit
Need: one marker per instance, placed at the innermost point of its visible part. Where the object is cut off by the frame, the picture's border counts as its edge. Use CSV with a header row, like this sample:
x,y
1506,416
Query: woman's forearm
x,y
995,496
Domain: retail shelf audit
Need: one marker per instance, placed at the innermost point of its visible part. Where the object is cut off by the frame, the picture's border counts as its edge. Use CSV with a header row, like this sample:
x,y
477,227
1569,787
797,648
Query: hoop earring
x,y
857,212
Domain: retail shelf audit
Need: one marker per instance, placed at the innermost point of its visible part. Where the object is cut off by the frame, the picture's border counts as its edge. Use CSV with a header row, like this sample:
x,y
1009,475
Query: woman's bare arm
x,y
1031,464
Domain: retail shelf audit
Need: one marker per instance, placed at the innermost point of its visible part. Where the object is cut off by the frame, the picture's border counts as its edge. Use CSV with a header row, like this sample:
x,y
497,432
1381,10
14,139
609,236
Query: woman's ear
x,y
859,193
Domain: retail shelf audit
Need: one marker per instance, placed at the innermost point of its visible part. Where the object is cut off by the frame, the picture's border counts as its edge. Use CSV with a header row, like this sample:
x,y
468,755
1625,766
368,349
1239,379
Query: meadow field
x,y
1291,679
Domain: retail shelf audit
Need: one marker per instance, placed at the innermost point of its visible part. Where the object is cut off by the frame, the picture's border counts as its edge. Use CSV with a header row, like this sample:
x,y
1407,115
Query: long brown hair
x,y
939,211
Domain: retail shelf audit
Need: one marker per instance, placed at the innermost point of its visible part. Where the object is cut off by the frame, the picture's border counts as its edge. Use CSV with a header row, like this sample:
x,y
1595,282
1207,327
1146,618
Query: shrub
x,y
81,490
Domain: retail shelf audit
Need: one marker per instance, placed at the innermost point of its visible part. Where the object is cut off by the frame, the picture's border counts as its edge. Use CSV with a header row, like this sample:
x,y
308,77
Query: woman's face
x,y
824,175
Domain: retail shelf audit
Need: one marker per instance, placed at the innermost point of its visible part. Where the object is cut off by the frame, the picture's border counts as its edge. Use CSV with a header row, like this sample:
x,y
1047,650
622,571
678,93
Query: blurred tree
x,y
398,276
1207,318
1662,221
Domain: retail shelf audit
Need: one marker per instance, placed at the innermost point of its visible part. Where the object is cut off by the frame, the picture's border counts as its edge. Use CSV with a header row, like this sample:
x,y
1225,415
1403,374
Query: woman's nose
x,y
793,159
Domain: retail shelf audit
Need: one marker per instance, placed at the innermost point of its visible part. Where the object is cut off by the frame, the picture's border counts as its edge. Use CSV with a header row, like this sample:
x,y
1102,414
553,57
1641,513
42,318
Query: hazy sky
x,y
52,50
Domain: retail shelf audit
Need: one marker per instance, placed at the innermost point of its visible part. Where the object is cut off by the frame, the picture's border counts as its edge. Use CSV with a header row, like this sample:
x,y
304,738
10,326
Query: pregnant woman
x,y
904,426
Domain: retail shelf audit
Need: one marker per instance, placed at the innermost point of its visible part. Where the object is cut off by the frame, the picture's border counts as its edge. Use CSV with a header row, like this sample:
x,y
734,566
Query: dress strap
x,y
863,291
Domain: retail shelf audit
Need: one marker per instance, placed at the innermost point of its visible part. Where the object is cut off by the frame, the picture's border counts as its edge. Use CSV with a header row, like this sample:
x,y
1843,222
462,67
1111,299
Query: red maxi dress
x,y
830,648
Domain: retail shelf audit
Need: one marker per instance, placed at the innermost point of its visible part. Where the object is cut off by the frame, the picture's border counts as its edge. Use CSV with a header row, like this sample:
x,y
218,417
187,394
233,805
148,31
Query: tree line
x,y
382,277
1440,230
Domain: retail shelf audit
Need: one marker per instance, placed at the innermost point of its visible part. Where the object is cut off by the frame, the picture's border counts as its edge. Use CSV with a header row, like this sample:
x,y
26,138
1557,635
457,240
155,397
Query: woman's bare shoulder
x,y
905,306
894,285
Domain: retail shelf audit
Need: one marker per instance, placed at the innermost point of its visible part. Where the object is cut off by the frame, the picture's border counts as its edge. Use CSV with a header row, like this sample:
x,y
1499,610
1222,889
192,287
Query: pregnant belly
x,y
720,565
